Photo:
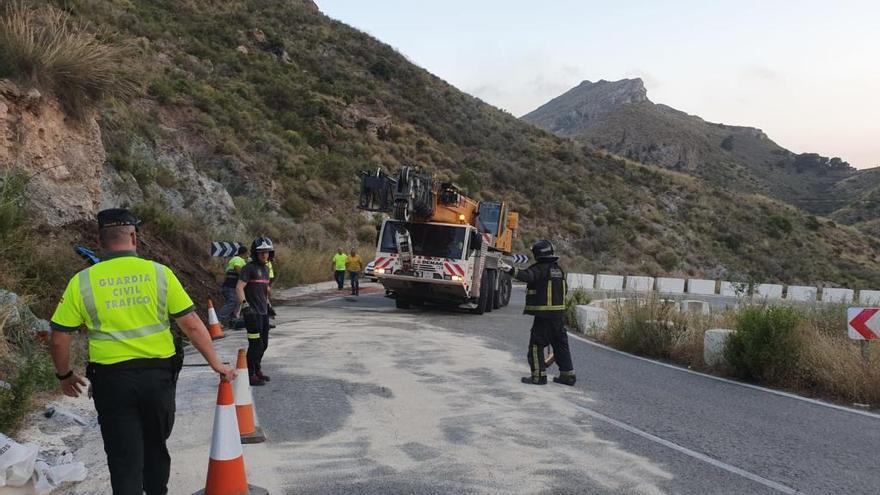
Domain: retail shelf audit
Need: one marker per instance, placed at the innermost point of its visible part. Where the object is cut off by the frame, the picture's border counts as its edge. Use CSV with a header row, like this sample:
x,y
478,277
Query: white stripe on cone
x,y
241,388
212,316
226,444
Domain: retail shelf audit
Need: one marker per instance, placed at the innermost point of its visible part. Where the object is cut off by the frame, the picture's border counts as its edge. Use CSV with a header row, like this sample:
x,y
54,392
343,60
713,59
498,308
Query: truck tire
x,y
489,280
505,288
497,283
483,300
401,303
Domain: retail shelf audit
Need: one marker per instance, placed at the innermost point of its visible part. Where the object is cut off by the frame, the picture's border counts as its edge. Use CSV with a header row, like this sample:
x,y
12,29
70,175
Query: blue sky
x,y
806,72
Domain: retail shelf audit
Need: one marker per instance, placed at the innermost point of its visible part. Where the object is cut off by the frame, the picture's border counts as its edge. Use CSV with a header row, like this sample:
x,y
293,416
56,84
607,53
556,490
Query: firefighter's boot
x,y
534,381
565,378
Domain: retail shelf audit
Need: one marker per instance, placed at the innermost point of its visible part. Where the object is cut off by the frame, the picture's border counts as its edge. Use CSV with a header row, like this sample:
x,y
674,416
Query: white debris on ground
x,y
47,456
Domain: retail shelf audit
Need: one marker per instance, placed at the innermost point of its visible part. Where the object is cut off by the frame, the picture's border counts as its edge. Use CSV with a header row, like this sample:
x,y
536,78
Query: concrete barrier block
x,y
579,281
694,307
714,341
670,285
768,291
830,294
801,293
670,304
641,284
869,297
609,282
734,289
700,286
591,320
608,304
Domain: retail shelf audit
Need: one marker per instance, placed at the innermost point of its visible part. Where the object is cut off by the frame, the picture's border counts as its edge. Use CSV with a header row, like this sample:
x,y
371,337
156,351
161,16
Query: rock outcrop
x,y
62,157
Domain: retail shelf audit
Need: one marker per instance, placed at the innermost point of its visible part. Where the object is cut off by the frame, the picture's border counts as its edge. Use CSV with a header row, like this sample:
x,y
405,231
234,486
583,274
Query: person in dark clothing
x,y
233,267
545,300
253,288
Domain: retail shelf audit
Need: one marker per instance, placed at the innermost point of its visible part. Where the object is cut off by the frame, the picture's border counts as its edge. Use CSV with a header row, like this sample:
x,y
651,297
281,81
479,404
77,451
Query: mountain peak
x,y
621,92
571,111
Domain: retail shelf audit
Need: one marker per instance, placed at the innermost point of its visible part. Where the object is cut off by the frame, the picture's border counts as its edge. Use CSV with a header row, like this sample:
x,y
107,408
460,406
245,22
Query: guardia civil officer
x,y
253,287
545,300
126,303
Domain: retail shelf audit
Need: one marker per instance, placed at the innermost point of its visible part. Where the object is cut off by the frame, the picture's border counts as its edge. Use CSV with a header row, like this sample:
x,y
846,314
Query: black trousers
x,y
548,331
136,414
339,275
257,326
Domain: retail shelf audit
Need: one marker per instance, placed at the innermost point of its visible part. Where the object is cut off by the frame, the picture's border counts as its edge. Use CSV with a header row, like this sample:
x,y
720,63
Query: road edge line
x,y
692,453
729,381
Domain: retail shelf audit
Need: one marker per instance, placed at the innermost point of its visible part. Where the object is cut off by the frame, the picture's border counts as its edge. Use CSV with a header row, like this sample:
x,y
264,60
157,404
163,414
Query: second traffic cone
x,y
244,403
214,327
226,475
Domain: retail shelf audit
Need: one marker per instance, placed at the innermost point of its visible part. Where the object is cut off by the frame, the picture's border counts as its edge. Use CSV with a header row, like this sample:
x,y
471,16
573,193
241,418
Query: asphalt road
x,y
365,398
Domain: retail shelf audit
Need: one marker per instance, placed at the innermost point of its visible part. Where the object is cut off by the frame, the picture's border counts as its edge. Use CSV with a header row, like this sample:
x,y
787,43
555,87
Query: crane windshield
x,y
439,241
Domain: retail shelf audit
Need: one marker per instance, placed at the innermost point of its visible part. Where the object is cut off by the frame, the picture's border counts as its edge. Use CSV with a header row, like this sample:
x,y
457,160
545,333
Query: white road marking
x,y
732,382
692,453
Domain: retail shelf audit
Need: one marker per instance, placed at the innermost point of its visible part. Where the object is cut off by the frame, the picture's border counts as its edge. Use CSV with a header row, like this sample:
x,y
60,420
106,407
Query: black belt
x,y
134,364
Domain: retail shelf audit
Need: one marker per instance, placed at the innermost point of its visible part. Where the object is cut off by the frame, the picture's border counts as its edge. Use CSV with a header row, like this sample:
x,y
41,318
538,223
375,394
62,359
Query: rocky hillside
x,y
256,116
619,117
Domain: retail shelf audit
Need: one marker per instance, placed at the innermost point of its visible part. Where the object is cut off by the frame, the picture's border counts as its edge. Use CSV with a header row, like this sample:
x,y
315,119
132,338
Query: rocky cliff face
x,y
70,178
63,158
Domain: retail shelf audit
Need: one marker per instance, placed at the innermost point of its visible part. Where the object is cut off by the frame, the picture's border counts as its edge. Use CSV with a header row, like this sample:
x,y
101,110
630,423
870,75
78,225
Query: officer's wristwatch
x,y
64,376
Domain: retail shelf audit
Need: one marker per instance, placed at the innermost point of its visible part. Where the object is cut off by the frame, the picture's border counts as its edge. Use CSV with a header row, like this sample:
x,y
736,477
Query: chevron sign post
x,y
863,323
519,259
224,249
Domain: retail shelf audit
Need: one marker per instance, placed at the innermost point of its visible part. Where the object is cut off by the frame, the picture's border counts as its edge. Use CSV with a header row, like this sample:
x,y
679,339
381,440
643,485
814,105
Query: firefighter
x,y
253,288
545,300
126,304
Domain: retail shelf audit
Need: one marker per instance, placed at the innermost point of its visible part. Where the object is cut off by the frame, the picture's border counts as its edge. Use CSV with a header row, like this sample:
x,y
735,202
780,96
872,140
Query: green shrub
x,y
765,347
366,234
668,259
295,206
575,298
45,47
159,217
36,375
651,327
12,186
778,225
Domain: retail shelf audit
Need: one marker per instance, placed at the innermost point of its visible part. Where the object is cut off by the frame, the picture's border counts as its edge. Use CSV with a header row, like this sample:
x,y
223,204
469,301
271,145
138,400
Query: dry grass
x,y
825,362
306,266
43,46
654,327
831,363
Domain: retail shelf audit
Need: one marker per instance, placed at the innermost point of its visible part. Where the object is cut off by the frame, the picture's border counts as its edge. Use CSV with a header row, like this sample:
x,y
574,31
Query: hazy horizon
x,y
800,72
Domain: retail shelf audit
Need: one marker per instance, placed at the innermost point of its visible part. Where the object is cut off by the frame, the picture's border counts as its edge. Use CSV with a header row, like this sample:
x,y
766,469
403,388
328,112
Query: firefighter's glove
x,y
504,267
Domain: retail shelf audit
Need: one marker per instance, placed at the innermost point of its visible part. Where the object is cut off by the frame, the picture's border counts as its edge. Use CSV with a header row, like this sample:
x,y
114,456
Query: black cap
x,y
116,217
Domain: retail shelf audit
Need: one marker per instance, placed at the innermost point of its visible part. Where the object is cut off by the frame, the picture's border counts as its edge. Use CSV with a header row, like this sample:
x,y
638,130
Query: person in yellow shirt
x,y
126,303
339,267
354,265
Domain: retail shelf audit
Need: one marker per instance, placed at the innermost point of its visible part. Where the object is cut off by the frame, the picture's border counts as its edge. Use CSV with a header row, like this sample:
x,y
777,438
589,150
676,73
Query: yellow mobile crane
x,y
439,245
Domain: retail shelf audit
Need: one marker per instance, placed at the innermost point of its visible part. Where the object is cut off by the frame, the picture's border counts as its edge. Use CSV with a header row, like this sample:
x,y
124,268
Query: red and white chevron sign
x,y
863,323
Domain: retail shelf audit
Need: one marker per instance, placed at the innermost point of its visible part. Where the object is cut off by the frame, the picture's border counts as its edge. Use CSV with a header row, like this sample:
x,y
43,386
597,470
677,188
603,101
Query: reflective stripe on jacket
x,y
546,289
126,303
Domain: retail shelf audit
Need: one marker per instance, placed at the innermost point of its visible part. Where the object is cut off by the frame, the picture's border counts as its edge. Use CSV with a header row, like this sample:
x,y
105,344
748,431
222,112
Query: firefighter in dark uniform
x,y
126,303
545,300
254,289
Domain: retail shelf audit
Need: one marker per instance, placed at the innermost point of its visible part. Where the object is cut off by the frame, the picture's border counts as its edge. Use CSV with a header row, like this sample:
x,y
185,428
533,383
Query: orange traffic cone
x,y
244,404
214,327
226,475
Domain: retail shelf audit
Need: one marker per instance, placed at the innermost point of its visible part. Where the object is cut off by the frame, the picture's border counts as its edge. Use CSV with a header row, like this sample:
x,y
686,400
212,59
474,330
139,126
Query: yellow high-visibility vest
x,y
126,303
